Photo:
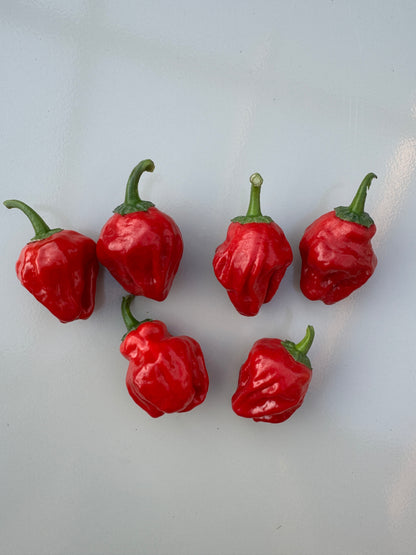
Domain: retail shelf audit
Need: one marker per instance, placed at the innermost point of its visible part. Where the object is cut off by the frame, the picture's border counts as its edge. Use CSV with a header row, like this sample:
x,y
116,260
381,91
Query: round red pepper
x,y
337,255
253,259
274,379
140,245
59,267
166,374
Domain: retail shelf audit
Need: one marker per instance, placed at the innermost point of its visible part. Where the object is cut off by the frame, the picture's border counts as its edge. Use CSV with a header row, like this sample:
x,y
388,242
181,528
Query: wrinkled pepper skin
x,y
59,267
166,374
253,259
274,379
336,251
140,245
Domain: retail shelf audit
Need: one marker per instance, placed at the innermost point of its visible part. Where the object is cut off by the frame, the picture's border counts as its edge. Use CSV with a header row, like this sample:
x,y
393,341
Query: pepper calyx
x,y
299,350
46,235
344,213
252,220
132,201
355,211
142,206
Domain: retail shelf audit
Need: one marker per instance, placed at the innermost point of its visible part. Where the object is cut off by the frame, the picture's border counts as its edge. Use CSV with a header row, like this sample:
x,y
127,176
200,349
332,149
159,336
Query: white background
x,y
313,95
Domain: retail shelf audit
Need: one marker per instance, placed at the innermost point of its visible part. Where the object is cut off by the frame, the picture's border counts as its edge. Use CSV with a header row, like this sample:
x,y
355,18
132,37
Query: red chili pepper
x,y
140,245
166,374
253,259
337,255
274,379
59,267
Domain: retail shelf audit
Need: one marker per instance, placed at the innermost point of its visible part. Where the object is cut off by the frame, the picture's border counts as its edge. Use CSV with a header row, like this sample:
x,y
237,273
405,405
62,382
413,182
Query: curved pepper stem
x,y
131,322
355,211
299,350
358,202
254,210
42,230
132,187
129,319
132,201
305,344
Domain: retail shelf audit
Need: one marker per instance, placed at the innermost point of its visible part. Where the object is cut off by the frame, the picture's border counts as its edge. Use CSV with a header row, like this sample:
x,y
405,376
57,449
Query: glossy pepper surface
x,y
253,259
274,379
166,374
59,267
337,255
140,245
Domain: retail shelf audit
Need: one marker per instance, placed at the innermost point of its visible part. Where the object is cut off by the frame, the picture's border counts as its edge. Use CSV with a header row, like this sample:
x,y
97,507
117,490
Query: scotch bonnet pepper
x,y
59,267
166,374
274,379
337,255
253,259
140,245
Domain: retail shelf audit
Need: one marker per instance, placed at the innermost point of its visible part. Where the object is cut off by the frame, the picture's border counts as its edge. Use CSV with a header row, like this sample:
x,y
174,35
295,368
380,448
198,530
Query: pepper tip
x,y
311,331
128,298
150,165
256,180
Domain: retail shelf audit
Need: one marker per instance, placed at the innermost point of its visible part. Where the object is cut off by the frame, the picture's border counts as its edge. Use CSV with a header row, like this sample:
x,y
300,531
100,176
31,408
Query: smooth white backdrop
x,y
313,95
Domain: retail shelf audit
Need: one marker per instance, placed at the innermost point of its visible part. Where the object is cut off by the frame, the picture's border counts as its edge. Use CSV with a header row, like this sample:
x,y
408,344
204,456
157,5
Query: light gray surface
x,y
313,95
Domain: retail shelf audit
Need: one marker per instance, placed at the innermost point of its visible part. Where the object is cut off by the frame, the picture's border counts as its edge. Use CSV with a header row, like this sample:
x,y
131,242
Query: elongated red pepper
x,y
337,255
59,267
166,374
253,259
274,379
140,245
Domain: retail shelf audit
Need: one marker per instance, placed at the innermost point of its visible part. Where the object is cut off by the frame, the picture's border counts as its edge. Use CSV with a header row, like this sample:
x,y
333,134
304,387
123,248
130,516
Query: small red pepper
x,y
274,379
166,374
59,267
337,255
253,259
140,245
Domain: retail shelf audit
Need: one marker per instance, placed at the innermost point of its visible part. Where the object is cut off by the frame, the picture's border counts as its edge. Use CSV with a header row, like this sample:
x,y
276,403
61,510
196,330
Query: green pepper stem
x,y
40,227
254,210
357,205
131,322
305,344
132,187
